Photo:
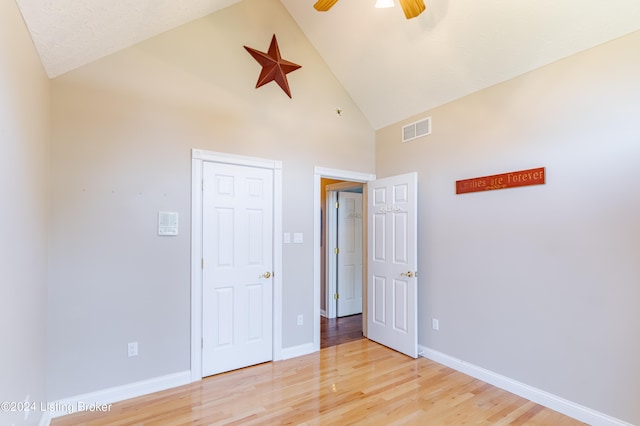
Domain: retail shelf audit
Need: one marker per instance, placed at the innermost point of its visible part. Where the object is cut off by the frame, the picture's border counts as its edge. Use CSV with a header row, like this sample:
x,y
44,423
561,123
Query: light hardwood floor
x,y
359,382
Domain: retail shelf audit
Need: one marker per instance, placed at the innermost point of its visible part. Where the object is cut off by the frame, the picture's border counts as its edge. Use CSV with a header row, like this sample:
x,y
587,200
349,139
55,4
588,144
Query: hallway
x,y
335,331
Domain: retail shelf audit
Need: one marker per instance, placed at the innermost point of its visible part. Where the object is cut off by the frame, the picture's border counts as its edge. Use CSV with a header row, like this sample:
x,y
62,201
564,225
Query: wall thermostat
x,y
167,223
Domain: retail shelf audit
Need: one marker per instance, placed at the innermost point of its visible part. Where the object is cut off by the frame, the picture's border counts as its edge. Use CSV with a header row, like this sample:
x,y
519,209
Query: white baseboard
x,y
111,395
132,390
295,351
561,405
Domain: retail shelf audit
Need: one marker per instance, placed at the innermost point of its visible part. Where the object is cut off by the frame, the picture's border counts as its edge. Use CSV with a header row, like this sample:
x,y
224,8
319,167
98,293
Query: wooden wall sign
x,y
504,180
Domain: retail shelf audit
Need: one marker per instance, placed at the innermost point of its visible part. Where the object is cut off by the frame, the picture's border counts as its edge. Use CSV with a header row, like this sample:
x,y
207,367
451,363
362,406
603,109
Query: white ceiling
x,y
393,68
72,33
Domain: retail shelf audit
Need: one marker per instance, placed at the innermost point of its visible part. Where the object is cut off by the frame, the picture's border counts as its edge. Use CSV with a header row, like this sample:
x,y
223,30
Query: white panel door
x,y
392,262
237,226
349,282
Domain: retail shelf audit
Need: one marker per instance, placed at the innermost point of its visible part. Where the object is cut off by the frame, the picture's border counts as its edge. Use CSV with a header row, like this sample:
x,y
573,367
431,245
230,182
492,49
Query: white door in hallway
x,y
349,265
237,227
392,286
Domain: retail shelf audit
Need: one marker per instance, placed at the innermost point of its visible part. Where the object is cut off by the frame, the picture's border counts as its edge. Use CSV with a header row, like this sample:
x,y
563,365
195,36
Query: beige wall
x,y
123,128
540,284
24,133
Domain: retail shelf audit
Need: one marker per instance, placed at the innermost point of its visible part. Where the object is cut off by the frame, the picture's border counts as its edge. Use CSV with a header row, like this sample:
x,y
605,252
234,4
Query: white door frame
x,y
319,173
198,157
332,222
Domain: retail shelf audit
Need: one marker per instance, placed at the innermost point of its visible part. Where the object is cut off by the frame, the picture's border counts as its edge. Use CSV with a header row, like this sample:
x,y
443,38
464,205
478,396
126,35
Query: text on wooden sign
x,y
501,181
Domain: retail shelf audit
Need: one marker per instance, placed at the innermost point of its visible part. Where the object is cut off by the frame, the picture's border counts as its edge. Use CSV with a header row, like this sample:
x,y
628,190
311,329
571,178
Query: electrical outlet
x,y
132,349
435,324
300,319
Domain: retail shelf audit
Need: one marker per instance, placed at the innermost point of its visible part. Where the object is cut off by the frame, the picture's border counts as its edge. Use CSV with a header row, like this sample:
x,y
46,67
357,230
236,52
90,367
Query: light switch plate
x,y
298,238
287,238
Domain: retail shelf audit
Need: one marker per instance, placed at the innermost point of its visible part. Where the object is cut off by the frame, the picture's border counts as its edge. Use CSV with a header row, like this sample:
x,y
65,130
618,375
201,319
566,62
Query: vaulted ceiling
x,y
393,68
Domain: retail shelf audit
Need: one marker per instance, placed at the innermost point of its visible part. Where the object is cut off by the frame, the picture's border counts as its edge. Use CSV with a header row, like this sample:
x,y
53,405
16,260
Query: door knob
x,y
266,275
407,274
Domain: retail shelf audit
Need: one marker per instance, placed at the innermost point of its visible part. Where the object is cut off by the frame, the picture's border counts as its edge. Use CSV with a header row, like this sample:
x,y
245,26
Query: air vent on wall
x,y
415,130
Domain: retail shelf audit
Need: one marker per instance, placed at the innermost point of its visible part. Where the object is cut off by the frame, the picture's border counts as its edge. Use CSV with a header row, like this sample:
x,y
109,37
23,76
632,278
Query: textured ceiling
x,y
393,68
71,33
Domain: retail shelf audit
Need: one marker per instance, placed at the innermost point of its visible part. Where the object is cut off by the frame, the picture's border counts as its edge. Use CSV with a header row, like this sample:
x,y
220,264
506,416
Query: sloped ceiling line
x,y
393,68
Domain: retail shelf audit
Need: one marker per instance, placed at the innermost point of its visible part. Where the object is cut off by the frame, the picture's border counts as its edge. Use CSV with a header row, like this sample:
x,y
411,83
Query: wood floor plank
x,y
355,383
335,331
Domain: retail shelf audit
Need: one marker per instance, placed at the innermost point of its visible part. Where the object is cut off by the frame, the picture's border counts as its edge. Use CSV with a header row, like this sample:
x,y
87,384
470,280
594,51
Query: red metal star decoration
x,y
274,68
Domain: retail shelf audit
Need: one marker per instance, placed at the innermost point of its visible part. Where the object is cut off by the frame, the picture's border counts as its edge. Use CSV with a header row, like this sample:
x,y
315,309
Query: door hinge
x,y
336,250
201,343
202,185
336,296
202,263
337,205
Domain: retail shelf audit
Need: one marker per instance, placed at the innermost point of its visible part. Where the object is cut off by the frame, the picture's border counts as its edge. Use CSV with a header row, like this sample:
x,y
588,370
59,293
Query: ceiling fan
x,y
411,8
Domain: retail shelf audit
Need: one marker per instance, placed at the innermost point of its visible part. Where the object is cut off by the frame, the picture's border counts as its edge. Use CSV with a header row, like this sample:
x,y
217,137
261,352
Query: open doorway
x,y
333,176
341,262
343,234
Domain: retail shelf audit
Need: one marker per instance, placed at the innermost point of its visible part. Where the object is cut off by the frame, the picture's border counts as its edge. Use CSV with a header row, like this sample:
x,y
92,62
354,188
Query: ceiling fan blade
x,y
412,8
324,5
